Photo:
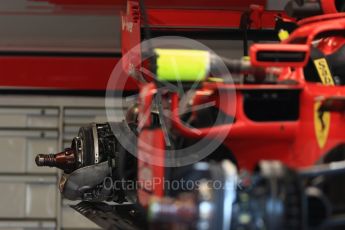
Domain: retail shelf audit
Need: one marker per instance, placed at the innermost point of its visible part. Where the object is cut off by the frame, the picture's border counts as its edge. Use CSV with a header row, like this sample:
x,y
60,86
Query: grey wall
x,y
36,25
66,32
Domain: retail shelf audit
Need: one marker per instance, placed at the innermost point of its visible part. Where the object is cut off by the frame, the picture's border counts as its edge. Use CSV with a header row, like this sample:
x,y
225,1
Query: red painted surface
x,y
312,27
131,36
256,48
331,45
295,143
189,18
151,148
164,4
56,72
328,6
151,151
321,18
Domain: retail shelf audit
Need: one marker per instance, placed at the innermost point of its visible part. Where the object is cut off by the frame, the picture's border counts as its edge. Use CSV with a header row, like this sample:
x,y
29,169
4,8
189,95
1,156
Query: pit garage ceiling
x,y
86,25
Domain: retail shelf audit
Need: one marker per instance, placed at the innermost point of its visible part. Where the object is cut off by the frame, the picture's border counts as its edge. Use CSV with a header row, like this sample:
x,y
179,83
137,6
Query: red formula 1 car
x,y
202,121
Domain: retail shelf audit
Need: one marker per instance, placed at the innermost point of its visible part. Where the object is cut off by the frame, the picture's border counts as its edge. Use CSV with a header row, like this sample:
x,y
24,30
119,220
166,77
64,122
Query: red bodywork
x,y
293,142
63,73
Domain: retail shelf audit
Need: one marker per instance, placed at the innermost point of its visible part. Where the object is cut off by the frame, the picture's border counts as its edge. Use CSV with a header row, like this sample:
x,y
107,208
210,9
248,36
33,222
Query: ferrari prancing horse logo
x,y
322,122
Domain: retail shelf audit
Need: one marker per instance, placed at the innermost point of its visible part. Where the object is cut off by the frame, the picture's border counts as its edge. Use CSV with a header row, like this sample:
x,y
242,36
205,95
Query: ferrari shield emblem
x,y
322,123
